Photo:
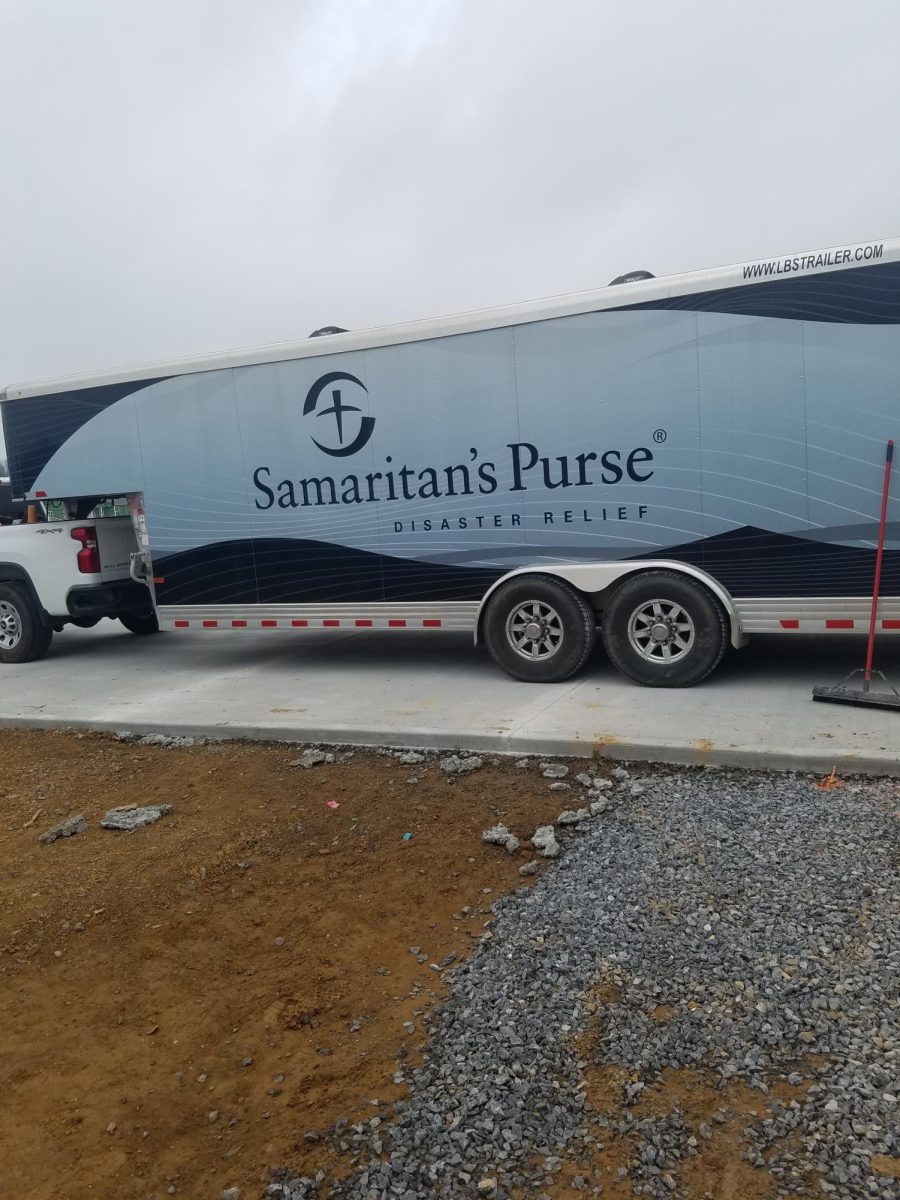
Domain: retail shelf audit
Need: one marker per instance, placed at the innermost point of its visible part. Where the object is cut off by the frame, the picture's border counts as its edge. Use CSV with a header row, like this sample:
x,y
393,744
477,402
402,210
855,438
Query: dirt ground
x,y
140,971
182,1004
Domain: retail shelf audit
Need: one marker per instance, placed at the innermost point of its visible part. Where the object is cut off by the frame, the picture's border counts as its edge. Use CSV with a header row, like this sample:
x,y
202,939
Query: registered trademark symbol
x,y
659,435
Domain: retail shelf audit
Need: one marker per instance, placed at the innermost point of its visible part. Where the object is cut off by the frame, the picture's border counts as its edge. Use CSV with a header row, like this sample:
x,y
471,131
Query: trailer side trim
x,y
452,616
828,614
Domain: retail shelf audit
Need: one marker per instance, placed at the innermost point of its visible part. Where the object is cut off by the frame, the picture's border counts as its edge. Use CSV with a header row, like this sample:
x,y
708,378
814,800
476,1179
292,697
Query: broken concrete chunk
x,y
554,770
67,828
573,816
410,758
311,758
529,869
544,841
133,818
170,741
584,779
499,835
496,835
454,765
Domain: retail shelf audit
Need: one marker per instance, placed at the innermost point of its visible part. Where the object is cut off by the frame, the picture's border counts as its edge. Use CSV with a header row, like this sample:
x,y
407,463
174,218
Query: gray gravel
x,y
762,911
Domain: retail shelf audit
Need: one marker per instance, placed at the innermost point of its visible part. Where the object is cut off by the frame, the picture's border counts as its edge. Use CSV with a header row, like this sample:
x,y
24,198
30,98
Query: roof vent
x,y
327,330
631,277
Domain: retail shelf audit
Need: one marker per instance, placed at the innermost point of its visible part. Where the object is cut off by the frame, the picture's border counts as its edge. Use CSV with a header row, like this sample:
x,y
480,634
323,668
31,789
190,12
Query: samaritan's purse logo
x,y
347,445
512,467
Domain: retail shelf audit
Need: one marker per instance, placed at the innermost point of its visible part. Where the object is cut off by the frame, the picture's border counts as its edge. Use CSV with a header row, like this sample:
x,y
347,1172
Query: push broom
x,y
845,692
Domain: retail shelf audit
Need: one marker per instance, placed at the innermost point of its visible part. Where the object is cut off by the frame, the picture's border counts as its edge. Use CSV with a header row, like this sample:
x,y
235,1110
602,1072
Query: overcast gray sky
x,y
182,176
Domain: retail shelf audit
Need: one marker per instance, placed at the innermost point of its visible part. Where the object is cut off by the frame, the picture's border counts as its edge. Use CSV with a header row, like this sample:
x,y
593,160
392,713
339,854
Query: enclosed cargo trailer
x,y
678,462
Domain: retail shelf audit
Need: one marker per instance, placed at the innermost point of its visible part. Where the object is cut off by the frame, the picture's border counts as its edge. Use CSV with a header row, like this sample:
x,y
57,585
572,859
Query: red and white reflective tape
x,y
818,624
316,623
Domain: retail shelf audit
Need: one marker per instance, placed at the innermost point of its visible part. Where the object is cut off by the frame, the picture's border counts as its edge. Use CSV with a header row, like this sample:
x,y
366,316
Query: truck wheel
x,y
143,624
23,635
539,629
663,630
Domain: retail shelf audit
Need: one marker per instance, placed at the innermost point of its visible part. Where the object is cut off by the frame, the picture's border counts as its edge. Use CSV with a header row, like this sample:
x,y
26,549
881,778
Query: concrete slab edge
x,y
812,760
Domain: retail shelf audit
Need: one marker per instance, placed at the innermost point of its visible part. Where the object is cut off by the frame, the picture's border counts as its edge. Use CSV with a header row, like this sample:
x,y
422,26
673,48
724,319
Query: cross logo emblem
x,y
338,409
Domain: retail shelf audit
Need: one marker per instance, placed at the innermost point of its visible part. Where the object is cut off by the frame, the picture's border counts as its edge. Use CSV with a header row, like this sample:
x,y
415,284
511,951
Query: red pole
x,y
879,555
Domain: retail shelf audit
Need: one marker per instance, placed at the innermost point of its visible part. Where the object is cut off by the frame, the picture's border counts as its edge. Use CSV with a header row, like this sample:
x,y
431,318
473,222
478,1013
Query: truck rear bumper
x,y
109,599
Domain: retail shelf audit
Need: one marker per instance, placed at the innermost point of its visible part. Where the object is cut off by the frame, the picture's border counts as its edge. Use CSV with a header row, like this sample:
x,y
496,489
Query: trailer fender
x,y
596,579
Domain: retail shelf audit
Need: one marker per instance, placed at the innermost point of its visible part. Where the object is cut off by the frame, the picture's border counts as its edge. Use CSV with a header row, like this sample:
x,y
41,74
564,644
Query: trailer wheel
x,y
142,624
23,635
662,629
539,629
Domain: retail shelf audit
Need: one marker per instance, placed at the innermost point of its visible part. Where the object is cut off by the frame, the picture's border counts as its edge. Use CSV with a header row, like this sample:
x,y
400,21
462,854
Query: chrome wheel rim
x,y
661,631
10,626
534,630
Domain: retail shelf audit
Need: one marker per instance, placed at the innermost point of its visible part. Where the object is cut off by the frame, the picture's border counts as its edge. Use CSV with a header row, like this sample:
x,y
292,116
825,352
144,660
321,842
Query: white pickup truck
x,y
68,572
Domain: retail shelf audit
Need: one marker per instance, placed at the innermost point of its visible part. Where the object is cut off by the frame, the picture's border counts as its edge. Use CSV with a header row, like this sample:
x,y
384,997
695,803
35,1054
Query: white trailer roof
x,y
743,274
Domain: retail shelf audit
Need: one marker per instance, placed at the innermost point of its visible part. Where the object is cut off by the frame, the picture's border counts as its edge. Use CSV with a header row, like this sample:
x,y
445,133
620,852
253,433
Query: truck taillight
x,y
89,554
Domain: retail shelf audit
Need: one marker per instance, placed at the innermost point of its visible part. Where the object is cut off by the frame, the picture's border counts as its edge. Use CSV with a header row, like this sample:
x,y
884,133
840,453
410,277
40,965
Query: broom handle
x,y
879,555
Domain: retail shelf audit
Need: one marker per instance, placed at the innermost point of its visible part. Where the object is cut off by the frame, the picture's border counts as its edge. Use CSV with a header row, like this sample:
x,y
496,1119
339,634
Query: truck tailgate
x,y
116,542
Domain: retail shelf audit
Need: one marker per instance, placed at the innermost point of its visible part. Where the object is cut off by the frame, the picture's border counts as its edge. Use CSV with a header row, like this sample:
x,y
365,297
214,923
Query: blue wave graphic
x,y
868,295
746,561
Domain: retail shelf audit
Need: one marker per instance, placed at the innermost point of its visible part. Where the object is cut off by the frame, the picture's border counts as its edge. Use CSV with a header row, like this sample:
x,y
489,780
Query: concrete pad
x,y
422,689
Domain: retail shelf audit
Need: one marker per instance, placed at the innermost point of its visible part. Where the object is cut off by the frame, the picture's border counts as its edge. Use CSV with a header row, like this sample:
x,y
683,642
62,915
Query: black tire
x,y
143,624
697,630
84,622
564,615
23,635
